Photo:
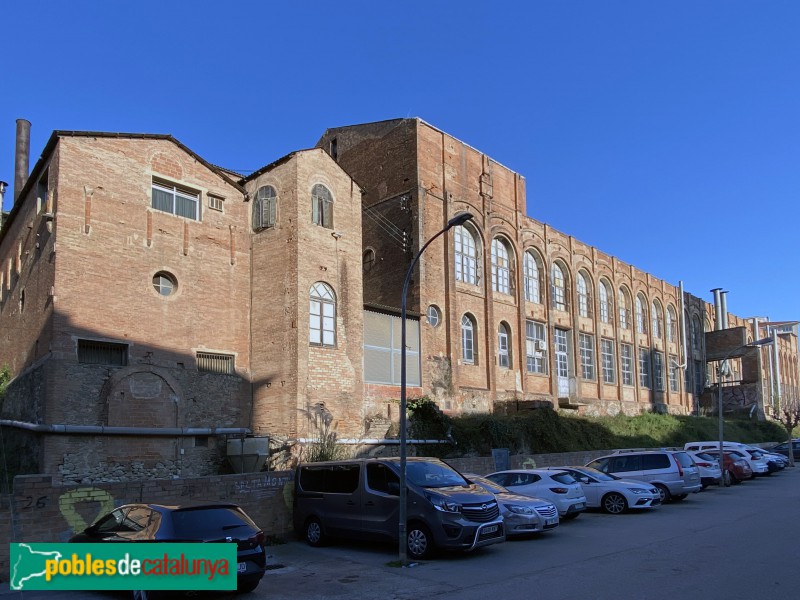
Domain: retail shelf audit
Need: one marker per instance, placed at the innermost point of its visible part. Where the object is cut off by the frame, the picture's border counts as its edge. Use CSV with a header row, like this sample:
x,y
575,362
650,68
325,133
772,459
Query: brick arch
x,y
167,164
142,396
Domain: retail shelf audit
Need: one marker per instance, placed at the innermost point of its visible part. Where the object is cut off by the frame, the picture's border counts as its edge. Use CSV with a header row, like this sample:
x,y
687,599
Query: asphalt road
x,y
724,543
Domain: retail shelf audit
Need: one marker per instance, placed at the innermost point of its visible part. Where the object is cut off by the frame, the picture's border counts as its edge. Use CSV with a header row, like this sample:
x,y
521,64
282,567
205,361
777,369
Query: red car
x,y
738,468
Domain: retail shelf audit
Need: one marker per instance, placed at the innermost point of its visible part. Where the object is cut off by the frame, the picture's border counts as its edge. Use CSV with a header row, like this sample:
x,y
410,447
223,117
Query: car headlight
x,y
638,490
520,510
443,504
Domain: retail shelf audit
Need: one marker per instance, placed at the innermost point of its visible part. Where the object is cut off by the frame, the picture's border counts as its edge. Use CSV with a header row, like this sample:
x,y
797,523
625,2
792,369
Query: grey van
x,y
360,498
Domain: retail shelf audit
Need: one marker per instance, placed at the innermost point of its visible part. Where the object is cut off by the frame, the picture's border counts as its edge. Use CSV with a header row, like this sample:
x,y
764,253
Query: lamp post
x,y
403,516
720,371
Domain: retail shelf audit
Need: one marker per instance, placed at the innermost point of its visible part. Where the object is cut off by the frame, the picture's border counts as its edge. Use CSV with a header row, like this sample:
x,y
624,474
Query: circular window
x,y
434,315
164,283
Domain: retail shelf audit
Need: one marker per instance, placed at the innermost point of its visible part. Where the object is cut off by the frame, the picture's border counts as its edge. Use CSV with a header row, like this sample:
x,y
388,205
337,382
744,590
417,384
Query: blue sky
x,y
665,133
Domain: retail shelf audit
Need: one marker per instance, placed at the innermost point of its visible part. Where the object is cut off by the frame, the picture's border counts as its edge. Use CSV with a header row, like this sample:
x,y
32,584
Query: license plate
x,y
489,529
551,521
241,567
579,505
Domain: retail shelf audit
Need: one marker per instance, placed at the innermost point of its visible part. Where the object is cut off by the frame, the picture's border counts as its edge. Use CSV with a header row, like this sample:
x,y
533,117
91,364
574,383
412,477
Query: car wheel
x,y
570,516
419,541
664,493
314,534
679,497
615,503
247,586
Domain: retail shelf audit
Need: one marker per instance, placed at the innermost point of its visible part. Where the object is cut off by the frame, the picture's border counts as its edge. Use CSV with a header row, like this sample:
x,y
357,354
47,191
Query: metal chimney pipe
x,y
717,309
22,156
723,303
3,186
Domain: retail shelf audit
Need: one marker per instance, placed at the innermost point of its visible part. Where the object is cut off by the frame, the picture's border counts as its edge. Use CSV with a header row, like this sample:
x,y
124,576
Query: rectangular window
x,y
626,354
211,362
102,353
536,347
673,374
215,202
644,367
503,354
382,355
607,356
587,356
181,202
658,371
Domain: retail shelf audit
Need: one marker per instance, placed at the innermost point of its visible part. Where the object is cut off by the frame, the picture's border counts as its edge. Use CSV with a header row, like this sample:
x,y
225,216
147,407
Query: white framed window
x,y
434,315
658,371
608,361
644,367
164,283
504,346
673,374
586,342
466,255
672,325
531,276
179,201
559,286
265,208
657,320
626,356
604,295
501,267
322,206
641,314
584,289
215,202
624,309
468,354
535,347
322,316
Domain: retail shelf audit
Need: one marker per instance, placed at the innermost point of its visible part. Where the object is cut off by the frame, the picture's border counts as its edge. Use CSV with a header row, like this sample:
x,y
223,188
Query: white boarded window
x,y
382,354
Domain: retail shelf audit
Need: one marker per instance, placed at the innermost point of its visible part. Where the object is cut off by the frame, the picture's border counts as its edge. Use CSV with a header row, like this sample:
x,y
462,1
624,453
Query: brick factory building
x,y
155,308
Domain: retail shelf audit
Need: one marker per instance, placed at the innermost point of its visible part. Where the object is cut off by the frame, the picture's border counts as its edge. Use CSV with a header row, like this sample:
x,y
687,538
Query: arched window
x,y
672,324
584,288
321,206
606,303
468,340
624,300
322,319
466,255
657,319
641,314
265,208
501,267
531,273
504,346
697,333
559,286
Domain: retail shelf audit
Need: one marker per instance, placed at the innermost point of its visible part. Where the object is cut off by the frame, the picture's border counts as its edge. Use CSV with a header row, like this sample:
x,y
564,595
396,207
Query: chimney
x,y
22,156
724,308
717,309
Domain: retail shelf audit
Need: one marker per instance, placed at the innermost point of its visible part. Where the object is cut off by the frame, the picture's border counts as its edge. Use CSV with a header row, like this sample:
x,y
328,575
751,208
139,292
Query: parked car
x,y
710,473
521,514
735,464
560,488
360,498
672,472
784,449
611,493
779,461
753,455
196,523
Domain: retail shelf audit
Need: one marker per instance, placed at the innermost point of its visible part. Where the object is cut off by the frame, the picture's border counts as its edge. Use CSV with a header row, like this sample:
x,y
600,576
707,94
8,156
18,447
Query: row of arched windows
x,y
265,207
502,281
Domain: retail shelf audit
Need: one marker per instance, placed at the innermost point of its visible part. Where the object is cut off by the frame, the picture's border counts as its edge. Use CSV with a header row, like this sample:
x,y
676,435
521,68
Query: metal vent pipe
x,y
723,304
717,309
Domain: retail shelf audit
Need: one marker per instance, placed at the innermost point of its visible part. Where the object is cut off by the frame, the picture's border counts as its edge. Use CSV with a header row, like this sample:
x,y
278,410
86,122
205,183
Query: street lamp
x,y
455,221
720,371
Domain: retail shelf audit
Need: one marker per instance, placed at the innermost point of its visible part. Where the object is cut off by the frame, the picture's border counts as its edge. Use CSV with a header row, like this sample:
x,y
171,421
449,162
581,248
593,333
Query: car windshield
x,y
564,478
595,474
433,475
489,486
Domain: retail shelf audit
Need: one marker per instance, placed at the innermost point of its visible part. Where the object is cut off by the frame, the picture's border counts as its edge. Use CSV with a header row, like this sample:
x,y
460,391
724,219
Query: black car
x,y
195,523
784,449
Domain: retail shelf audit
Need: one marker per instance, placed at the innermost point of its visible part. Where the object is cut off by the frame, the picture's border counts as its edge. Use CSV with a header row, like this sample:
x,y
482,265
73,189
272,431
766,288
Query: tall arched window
x,y
584,288
697,333
265,208
672,324
322,315
657,319
559,285
504,346
604,294
501,267
468,340
466,255
321,206
531,273
624,301
641,314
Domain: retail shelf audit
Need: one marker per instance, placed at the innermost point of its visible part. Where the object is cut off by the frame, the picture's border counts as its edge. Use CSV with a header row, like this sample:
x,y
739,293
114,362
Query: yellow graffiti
x,y
68,501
